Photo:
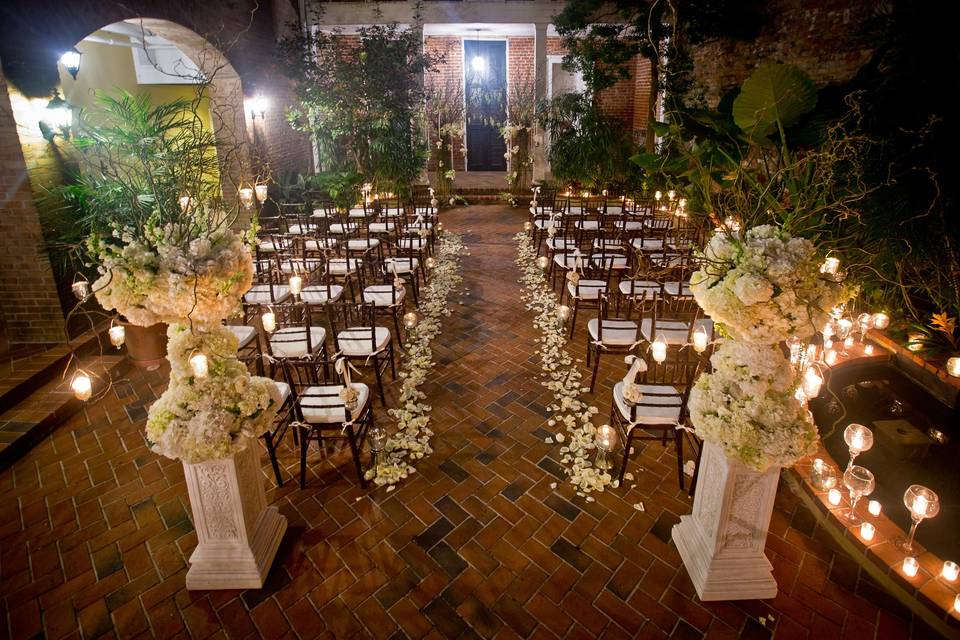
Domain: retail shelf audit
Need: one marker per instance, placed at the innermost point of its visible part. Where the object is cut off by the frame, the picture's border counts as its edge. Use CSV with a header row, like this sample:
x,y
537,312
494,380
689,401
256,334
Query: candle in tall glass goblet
x,y
859,439
859,482
922,503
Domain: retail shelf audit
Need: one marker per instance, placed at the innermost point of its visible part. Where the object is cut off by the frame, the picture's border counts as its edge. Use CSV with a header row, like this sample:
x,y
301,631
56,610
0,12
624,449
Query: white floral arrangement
x,y
563,378
765,286
747,406
214,415
172,274
411,439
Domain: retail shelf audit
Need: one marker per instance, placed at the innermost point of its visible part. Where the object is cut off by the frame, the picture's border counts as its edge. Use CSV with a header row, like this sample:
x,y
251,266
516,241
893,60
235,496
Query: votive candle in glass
x,y
874,507
200,365
848,343
867,531
831,357
881,320
82,386
950,571
261,191
117,335
953,366
269,321
910,566
834,497
868,350
246,197
296,285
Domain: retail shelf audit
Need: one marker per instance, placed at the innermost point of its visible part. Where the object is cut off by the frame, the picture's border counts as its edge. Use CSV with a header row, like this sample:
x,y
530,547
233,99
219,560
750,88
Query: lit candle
x,y
117,335
700,339
834,497
659,349
830,266
82,386
671,195
881,321
606,437
682,203
563,312
831,357
199,365
431,263
848,343
910,566
811,353
812,383
439,227
920,505
956,603
867,530
827,331
953,366
914,341
184,203
81,289
827,344
296,285
856,442
604,193
269,321
527,226
543,262
657,196
874,507
261,190
868,350
410,319
246,197
950,571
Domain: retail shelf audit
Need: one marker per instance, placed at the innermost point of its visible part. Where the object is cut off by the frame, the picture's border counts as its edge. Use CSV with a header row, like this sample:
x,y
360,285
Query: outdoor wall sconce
x,y
258,107
71,62
56,118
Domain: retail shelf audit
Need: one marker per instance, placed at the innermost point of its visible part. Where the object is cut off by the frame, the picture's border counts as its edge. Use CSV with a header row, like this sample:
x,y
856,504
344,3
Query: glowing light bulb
x,y
117,335
479,64
269,321
200,365
82,386
659,349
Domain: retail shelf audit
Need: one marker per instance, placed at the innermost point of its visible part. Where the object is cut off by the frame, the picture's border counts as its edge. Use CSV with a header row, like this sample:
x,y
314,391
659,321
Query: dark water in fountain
x,y
916,441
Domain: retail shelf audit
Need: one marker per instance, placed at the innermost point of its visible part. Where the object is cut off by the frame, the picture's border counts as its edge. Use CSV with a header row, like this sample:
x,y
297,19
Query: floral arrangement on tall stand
x,y
763,287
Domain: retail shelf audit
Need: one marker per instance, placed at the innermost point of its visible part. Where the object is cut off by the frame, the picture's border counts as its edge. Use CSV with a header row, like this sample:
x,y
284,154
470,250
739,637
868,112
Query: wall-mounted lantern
x,y
71,62
56,118
258,107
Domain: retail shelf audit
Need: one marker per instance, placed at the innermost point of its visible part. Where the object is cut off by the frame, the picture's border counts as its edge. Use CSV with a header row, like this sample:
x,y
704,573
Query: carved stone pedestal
x,y
238,534
722,541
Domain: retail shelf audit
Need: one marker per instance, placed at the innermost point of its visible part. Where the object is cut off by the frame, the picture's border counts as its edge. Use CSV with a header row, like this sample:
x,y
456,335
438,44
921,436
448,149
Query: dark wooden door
x,y
486,98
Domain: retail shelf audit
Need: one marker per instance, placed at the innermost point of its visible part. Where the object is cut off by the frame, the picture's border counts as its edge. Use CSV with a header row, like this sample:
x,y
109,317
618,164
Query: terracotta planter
x,y
146,346
722,542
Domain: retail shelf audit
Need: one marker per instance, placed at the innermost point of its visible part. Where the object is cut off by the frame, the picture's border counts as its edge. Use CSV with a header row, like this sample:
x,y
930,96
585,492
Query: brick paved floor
x,y
95,529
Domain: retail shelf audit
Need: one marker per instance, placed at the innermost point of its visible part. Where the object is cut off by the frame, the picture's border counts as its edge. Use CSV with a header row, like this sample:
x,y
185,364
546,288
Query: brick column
x,y
30,306
540,166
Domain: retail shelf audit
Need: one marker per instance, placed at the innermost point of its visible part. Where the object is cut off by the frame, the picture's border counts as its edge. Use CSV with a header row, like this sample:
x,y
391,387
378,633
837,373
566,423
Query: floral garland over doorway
x,y
411,441
562,377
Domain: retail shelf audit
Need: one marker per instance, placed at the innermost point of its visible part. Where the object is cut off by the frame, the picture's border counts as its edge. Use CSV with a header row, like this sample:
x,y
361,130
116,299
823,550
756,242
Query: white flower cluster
x,y
411,441
747,406
765,286
171,278
562,377
213,416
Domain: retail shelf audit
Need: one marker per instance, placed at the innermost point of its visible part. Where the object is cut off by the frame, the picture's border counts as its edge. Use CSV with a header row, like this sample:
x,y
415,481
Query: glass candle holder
x,y
245,195
874,508
859,439
606,439
910,566
834,497
82,386
859,482
881,321
822,476
922,503
950,571
867,531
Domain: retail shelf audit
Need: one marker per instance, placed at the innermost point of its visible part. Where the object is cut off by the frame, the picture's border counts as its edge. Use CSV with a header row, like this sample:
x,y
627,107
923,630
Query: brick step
x,y
50,402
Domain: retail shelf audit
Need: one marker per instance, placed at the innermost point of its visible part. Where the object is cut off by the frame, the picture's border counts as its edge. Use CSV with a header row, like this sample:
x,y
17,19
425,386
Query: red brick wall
x,y
825,38
450,71
520,62
30,311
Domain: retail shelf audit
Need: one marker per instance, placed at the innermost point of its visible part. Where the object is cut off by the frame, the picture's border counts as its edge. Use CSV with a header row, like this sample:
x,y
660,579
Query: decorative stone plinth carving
x,y
722,541
238,534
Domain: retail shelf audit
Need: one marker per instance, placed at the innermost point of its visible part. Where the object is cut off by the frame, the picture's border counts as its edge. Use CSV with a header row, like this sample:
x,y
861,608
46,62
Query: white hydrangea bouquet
x,y
190,273
763,286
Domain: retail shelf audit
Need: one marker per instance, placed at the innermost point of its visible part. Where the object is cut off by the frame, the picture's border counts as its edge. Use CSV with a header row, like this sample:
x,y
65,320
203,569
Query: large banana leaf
x,y
774,93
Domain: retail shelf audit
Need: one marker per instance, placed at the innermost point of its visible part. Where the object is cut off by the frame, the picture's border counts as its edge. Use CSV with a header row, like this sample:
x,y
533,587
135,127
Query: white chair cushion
x,y
388,212
568,260
380,295
674,288
546,223
673,331
611,260
266,246
629,225
284,390
588,225
322,404
291,342
245,335
317,293
561,244
297,230
355,341
301,265
639,287
381,227
647,244
618,333
260,294
343,266
650,413
338,228
403,265
608,243
414,227
667,260
363,243
587,289
319,213
357,213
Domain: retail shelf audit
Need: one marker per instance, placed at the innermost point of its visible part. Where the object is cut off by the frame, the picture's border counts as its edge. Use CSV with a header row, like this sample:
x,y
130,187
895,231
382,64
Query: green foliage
x,y
773,97
362,103
343,187
587,147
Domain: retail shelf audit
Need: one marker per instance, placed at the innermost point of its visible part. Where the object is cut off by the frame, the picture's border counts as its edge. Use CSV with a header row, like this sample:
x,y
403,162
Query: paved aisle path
x,y
94,529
